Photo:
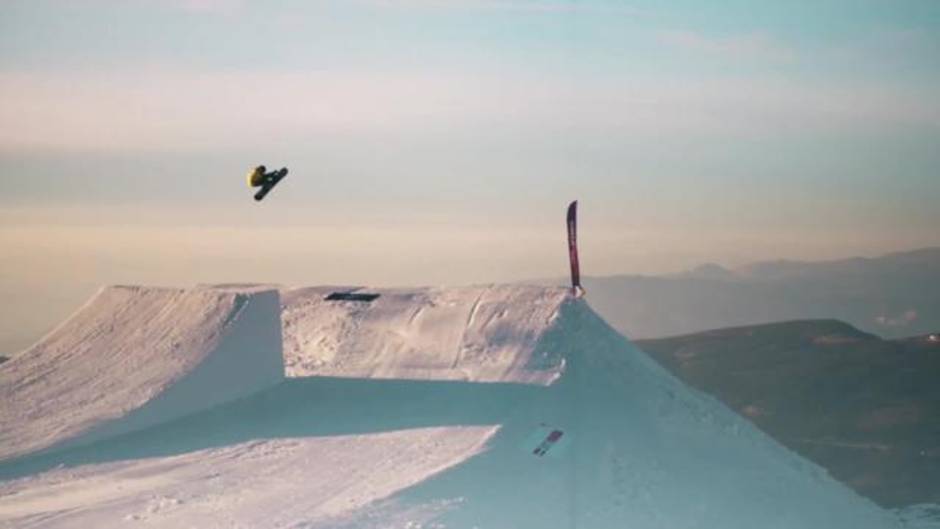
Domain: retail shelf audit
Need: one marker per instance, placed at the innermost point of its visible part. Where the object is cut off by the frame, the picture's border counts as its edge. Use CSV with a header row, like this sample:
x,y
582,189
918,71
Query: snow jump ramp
x,y
133,357
488,407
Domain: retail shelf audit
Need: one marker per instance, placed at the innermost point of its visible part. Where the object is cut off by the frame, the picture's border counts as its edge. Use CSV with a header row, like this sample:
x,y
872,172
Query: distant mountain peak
x,y
826,330
781,268
709,271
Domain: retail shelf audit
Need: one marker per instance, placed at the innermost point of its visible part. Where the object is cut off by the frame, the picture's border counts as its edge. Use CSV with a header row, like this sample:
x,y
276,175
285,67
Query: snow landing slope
x,y
133,357
486,407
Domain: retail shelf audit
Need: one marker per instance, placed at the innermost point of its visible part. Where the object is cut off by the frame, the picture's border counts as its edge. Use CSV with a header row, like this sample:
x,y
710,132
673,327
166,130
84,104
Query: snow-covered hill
x,y
133,357
486,407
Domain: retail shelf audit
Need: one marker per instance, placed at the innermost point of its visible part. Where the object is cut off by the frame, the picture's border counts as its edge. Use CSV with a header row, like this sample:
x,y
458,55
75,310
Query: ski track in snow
x,y
470,317
426,408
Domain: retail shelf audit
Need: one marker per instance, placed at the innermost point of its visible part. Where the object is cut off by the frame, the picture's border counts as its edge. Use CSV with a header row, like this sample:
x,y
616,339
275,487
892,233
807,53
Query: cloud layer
x,y
191,111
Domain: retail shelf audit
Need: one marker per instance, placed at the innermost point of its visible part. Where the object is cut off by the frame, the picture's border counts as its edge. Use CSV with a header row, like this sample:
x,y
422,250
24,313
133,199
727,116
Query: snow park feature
x,y
493,406
133,357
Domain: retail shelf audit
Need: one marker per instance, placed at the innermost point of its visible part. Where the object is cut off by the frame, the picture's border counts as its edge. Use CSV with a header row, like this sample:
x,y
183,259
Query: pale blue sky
x,y
438,141
468,100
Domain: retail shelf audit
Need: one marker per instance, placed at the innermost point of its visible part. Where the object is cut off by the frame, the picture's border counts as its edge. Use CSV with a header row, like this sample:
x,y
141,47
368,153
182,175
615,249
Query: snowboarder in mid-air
x,y
259,177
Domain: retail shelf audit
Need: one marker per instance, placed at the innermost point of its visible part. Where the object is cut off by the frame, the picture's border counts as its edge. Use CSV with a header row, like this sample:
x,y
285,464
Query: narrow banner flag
x,y
573,246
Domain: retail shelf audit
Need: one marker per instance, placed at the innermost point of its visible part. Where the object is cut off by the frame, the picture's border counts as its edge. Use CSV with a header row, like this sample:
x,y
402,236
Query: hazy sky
x,y
438,141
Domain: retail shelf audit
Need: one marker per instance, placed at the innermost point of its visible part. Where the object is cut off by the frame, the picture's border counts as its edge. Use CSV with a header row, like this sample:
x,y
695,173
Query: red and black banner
x,y
573,246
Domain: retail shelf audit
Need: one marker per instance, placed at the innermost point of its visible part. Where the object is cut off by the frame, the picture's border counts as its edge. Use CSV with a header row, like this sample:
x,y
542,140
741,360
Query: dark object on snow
x,y
259,177
549,441
351,296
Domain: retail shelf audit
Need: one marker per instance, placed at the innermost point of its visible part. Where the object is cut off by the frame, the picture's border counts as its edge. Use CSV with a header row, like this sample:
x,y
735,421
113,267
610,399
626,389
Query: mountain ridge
x,y
894,295
864,408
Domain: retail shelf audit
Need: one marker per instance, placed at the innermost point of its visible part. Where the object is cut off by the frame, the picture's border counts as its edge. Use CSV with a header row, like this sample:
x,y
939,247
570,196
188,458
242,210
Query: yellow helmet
x,y
255,176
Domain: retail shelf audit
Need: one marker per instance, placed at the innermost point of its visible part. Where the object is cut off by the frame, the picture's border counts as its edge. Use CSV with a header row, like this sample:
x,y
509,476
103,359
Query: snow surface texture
x,y
133,357
423,409
478,334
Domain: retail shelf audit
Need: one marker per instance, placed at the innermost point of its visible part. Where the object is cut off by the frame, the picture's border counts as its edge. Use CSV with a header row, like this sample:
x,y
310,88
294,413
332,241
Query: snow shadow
x,y
300,407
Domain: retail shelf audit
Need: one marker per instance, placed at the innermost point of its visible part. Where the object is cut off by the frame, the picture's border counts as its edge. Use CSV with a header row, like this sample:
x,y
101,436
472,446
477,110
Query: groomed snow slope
x,y
436,408
476,334
133,357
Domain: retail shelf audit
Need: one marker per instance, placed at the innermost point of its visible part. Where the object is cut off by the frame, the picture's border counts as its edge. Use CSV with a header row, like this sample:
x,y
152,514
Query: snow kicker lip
x,y
133,357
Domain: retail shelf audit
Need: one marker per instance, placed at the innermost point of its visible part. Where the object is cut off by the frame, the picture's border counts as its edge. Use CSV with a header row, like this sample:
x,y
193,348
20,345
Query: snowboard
x,y
276,177
549,441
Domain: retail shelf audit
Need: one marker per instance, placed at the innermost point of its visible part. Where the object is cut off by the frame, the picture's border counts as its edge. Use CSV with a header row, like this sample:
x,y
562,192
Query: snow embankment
x,y
133,357
616,441
499,406
474,334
